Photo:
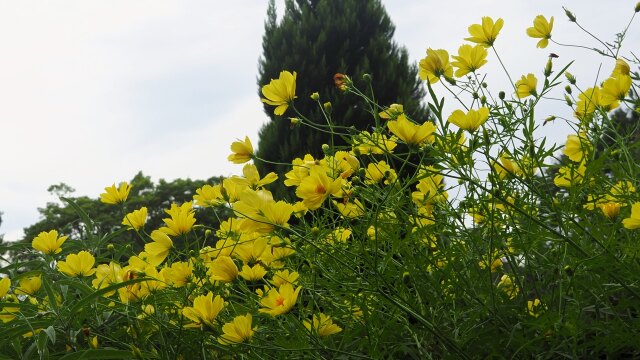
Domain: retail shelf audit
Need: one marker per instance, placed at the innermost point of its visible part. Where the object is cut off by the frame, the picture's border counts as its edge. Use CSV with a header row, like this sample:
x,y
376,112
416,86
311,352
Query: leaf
x,y
83,215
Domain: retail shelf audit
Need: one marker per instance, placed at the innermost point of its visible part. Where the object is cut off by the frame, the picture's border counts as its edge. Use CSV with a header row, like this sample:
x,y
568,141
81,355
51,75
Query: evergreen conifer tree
x,y
317,39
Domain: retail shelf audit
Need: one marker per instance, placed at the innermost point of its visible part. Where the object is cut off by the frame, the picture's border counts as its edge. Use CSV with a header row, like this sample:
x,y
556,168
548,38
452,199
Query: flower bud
x,y
570,77
294,121
325,148
484,85
570,15
110,247
366,77
483,100
547,68
501,95
475,95
637,8
341,81
568,100
567,89
327,106
315,96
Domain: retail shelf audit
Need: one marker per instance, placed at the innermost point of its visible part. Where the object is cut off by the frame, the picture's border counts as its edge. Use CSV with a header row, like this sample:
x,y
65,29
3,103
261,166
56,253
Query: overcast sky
x,y
91,92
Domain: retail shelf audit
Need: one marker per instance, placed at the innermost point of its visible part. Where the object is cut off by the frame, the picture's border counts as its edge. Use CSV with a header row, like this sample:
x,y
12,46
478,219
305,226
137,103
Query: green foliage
x,y
318,39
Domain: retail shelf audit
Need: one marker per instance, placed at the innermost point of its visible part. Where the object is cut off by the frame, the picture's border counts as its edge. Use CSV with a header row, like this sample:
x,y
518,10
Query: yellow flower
x,y
610,209
507,285
542,30
315,188
254,273
237,331
339,234
136,219
486,33
179,274
80,264
535,307
242,151
158,250
280,92
280,301
577,147
411,133
48,242
223,269
621,68
322,325
506,166
282,277
391,112
205,309
570,175
434,65
29,285
376,143
252,177
107,275
380,172
5,284
526,86
181,221
614,89
209,195
350,209
470,121
469,59
633,221
115,195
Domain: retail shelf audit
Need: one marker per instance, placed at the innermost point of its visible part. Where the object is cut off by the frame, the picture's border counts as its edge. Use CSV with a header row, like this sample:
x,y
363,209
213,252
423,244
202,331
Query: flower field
x,y
465,235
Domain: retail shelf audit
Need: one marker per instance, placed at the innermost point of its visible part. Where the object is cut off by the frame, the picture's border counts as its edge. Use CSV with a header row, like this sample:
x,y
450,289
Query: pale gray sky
x,y
91,92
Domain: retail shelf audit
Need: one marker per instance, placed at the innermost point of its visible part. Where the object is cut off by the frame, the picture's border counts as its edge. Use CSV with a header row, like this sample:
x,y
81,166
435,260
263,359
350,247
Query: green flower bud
x,y
570,15
315,96
501,95
568,89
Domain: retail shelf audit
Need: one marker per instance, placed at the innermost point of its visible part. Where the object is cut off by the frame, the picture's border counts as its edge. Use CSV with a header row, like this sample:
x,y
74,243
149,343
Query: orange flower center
x,y
280,301
320,189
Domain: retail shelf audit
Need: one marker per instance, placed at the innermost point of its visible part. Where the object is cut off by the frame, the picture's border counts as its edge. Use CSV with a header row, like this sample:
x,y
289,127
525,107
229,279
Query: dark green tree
x,y
107,218
317,39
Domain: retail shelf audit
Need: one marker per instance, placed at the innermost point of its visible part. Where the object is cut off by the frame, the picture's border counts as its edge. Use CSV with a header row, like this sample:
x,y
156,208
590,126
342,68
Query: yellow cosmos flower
x,y
158,250
282,277
29,285
106,275
507,285
252,177
48,242
391,112
486,33
80,264
115,195
633,221
535,307
181,221
366,143
322,325
380,172
411,133
350,209
577,147
614,89
542,30
242,151
5,284
205,309
179,274
526,86
223,269
621,68
280,92
469,59
435,65
252,273
505,166
570,175
280,301
470,121
209,195
136,219
315,188
237,331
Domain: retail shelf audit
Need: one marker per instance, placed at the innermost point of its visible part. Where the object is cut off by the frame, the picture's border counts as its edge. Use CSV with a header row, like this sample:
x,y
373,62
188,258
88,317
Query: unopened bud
x,y
207,233
327,106
637,8
450,80
315,96
547,68
366,77
501,95
475,95
568,100
325,148
570,15
110,247
568,89
483,100
570,77
294,121
484,85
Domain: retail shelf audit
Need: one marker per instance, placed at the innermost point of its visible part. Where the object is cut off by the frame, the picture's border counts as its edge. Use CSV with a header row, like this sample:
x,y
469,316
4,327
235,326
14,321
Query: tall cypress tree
x,y
317,39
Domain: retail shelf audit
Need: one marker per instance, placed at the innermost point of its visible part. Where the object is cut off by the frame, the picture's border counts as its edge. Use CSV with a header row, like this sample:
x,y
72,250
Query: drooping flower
x,y
136,219
633,221
280,92
115,195
410,133
80,264
237,331
48,242
435,65
486,33
621,68
577,147
242,151
159,248
205,309
315,188
541,29
280,301
469,59
181,221
470,121
526,86
322,325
